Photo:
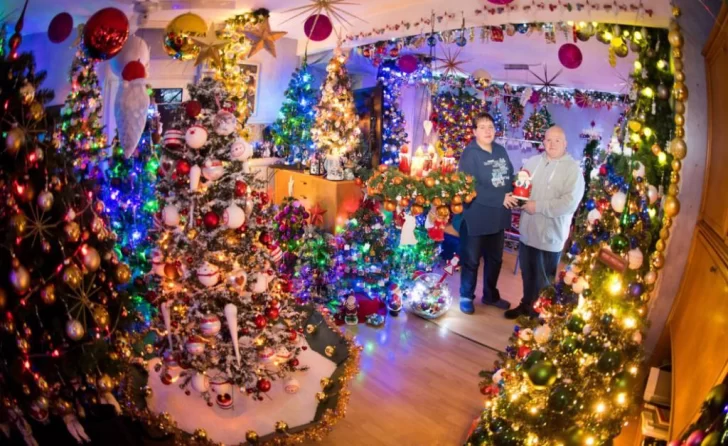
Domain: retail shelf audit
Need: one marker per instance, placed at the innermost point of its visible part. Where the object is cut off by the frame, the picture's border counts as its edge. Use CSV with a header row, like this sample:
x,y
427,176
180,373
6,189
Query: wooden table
x,y
339,198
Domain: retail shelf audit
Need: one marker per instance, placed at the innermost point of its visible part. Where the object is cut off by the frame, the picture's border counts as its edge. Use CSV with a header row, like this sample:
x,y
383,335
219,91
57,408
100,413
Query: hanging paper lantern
x,y
178,36
570,56
60,27
135,49
408,63
318,27
105,33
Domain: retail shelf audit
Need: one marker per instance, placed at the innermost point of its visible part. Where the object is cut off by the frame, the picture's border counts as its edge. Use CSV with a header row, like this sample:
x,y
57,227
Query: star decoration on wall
x,y
547,84
329,7
450,64
263,37
317,214
210,47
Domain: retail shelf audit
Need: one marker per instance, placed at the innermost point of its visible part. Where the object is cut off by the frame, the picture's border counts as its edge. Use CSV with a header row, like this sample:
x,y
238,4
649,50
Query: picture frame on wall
x,y
252,69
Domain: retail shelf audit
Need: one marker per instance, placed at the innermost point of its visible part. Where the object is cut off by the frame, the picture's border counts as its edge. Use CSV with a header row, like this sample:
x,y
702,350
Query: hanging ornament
x,y
193,108
48,294
652,194
195,345
173,139
196,136
233,217
262,38
210,325
224,123
619,200
72,276
122,274
213,170
75,330
240,150
570,56
178,36
208,274
318,27
14,140
19,278
90,258
231,316
135,50
170,215
60,27
195,174
100,316
210,48
105,33
241,188
408,63
211,220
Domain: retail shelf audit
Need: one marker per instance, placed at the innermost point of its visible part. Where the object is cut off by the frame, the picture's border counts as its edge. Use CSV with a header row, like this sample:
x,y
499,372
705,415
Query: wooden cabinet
x,y
699,328
714,207
338,198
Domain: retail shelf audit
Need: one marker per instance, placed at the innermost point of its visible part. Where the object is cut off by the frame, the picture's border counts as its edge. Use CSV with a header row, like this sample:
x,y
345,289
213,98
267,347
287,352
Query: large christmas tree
x,y
216,256
393,122
292,129
59,274
571,377
453,115
336,130
82,133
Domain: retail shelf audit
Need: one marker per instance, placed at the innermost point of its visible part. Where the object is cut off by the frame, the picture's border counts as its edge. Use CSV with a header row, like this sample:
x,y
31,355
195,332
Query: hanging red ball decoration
x,y
265,238
211,220
183,167
240,188
193,108
318,27
272,313
570,56
133,70
408,63
260,321
60,27
263,385
105,33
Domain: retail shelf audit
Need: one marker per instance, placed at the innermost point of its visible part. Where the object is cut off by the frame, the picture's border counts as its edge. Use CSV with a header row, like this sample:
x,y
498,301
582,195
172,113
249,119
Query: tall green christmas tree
x,y
336,130
570,378
393,122
535,127
453,115
292,129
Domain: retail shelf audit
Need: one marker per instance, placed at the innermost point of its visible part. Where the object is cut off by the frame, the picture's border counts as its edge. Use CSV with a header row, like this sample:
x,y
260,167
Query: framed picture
x,y
251,69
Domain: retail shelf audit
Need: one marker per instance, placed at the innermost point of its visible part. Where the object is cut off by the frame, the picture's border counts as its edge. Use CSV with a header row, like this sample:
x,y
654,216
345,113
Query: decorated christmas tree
x,y
314,266
571,377
494,110
335,131
453,117
227,314
535,127
292,129
59,275
82,133
394,136
515,111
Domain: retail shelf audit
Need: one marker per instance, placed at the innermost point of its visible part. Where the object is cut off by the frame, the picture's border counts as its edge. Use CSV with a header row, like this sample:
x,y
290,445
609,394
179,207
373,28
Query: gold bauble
x,y
660,245
75,330
171,271
42,385
105,383
679,119
383,168
63,407
680,132
330,350
122,274
667,223
390,206
437,201
672,190
310,329
73,231
417,210
680,108
14,140
23,345
36,111
674,177
96,225
404,202
3,298
48,294
100,315
678,148
456,208
281,427
658,260
672,206
680,91
679,76
420,200
397,181
200,435
147,391
27,93
429,182
41,403
20,279
252,437
72,276
178,36
19,223
677,53
325,382
664,233
656,149
90,258
45,200
674,36
676,12
443,212
676,165
457,199
677,64
9,326
634,125
320,397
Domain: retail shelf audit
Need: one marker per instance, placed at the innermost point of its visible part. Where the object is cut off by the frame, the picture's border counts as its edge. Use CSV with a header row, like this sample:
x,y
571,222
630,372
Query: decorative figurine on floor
x,y
350,311
394,303
522,186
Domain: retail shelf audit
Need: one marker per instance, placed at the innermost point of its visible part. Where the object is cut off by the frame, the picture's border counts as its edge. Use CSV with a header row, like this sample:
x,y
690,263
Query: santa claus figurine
x,y
522,186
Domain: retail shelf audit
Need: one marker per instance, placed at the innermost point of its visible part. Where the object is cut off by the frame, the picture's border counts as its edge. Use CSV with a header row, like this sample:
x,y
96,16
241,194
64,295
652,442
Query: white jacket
x,y
557,189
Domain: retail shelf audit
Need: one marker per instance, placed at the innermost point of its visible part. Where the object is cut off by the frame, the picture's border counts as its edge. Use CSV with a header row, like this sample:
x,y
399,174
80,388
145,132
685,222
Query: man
x,y
486,218
557,188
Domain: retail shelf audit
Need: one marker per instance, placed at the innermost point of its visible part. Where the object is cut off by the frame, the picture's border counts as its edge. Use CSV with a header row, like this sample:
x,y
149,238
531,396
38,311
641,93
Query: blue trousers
x,y
472,248
538,270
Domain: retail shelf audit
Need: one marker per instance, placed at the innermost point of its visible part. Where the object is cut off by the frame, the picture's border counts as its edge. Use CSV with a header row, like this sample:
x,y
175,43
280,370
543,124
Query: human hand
x,y
529,207
510,202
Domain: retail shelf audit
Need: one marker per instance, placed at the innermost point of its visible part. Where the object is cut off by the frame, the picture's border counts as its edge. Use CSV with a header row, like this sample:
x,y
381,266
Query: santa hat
x,y
526,171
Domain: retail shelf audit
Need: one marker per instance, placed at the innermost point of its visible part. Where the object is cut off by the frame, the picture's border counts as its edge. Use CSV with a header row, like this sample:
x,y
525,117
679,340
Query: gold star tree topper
x,y
263,37
210,47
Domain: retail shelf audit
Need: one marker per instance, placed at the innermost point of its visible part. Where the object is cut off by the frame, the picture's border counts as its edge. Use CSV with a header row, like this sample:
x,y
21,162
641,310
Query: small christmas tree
x,y
336,130
535,127
314,266
494,110
292,129
393,122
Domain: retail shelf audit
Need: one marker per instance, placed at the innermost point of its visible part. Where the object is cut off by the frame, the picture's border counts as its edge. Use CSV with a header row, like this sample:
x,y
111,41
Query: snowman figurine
x,y
522,186
208,274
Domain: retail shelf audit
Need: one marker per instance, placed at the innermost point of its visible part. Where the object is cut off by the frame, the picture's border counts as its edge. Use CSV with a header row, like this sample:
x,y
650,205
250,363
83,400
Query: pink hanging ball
x,y
570,56
60,27
408,63
318,27
695,438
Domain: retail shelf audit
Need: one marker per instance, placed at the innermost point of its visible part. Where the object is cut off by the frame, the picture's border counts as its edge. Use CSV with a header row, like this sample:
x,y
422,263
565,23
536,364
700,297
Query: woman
x,y
482,231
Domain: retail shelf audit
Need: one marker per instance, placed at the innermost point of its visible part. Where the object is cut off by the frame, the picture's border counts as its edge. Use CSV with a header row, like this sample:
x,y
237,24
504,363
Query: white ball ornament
x,y
240,150
210,325
200,382
542,334
224,123
213,170
650,277
525,334
233,217
580,285
593,216
208,274
652,194
569,277
170,215
283,354
498,376
619,200
195,345
196,137
638,170
292,386
635,258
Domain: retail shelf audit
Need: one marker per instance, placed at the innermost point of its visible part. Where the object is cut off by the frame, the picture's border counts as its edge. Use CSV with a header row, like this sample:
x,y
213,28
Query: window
x,y
167,100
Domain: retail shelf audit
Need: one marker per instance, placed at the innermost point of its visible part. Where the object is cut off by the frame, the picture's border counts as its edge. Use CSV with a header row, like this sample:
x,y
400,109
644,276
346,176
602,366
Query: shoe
x,y
500,303
466,306
520,310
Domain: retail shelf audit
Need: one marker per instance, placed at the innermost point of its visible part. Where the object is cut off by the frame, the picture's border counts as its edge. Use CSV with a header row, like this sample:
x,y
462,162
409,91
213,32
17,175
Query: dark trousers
x,y
538,270
472,248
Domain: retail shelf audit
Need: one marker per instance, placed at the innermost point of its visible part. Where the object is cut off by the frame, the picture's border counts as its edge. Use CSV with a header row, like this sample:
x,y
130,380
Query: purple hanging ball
x,y
636,289
570,56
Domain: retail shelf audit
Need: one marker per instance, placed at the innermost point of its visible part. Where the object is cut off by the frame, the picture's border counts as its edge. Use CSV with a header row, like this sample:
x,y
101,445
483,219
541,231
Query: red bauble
x,y
264,197
183,167
275,304
292,336
570,56
133,70
211,220
193,108
265,238
272,313
240,188
523,351
318,27
105,33
260,321
60,27
294,362
603,170
263,385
